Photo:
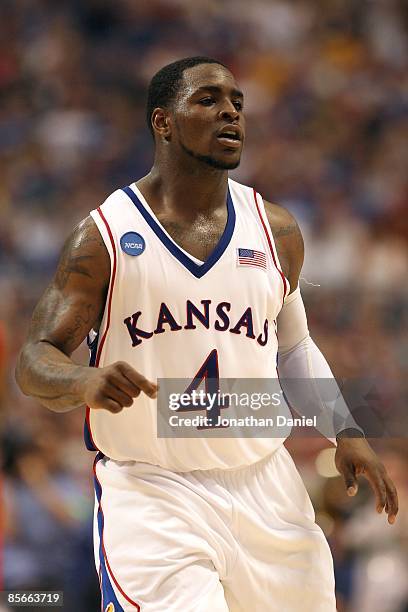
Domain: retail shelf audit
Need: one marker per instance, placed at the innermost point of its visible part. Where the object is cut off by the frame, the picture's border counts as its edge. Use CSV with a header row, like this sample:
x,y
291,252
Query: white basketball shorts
x,y
216,540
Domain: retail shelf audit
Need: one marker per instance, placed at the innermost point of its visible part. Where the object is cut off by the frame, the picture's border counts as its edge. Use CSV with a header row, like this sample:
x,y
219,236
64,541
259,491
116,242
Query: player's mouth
x,y
230,136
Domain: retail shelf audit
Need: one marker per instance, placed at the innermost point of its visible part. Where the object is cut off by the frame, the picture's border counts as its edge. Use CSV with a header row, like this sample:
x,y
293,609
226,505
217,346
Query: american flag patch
x,y
250,257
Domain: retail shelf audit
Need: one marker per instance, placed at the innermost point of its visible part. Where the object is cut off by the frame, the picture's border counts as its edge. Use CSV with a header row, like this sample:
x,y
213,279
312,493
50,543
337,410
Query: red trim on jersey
x,y
121,591
102,342
270,246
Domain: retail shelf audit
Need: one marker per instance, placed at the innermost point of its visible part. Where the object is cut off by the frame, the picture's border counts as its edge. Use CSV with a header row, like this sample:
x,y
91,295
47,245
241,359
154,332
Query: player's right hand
x,y
114,387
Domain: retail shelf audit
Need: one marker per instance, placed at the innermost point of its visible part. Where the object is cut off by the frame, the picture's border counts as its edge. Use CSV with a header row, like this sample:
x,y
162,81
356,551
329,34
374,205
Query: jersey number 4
x,y
208,374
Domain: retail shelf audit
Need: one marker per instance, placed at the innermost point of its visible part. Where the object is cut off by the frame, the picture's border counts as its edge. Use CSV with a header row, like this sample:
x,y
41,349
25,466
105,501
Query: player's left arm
x,y
299,357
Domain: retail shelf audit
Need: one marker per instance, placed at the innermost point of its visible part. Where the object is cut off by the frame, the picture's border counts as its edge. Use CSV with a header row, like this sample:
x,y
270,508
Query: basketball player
x,y
182,274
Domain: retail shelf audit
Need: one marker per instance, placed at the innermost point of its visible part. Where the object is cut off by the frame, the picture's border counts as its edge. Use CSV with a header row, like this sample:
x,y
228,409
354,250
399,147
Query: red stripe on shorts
x,y
121,591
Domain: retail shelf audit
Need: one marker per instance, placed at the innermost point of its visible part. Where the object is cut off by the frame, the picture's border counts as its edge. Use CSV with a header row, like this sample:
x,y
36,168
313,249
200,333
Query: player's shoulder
x,y
85,231
88,227
280,219
288,239
85,245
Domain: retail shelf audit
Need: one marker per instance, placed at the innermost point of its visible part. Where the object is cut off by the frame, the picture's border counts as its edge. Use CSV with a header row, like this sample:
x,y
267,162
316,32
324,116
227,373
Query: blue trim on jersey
x,y
107,593
87,438
93,348
197,269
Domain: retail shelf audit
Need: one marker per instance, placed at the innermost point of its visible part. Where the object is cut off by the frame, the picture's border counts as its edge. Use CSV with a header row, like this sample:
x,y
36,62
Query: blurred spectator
x,y
48,517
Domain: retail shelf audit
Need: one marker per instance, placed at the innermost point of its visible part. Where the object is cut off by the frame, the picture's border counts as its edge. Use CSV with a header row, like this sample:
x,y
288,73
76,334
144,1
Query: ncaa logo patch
x,y
133,244
110,607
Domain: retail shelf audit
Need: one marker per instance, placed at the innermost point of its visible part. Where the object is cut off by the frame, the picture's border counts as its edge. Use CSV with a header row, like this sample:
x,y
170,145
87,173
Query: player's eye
x,y
207,101
238,105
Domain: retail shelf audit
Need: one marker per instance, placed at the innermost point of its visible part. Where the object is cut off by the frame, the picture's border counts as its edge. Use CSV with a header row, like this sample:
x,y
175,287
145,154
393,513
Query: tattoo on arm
x,y
80,326
74,301
288,241
74,264
68,266
287,230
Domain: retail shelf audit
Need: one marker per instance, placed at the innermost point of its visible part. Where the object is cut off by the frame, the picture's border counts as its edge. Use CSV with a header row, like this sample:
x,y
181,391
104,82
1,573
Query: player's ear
x,y
161,123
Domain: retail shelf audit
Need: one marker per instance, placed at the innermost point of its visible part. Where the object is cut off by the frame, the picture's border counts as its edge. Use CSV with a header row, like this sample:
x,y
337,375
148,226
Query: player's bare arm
x,y
288,240
70,307
354,456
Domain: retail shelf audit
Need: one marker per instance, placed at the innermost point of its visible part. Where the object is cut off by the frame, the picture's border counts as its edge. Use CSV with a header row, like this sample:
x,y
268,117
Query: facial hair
x,y
210,161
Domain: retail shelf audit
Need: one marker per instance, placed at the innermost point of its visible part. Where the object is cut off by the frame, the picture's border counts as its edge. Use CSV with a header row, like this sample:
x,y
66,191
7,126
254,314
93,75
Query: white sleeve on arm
x,y
305,376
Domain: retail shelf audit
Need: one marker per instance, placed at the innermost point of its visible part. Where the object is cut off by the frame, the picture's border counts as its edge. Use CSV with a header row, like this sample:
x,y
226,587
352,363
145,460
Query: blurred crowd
x,y
326,99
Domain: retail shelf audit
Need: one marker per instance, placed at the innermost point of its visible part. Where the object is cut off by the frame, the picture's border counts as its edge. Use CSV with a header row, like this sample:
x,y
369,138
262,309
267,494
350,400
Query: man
x,y
181,274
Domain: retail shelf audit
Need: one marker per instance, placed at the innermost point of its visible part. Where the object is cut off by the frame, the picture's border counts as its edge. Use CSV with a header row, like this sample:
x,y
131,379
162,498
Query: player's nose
x,y
229,112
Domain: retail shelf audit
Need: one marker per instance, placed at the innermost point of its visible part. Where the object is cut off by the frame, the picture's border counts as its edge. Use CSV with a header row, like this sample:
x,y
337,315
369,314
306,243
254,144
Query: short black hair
x,y
165,84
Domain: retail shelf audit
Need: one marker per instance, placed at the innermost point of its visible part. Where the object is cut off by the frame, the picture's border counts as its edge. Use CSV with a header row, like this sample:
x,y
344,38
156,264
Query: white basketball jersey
x,y
167,313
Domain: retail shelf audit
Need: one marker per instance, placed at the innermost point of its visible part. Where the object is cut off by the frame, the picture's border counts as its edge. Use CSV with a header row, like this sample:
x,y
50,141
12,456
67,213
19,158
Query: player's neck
x,y
184,191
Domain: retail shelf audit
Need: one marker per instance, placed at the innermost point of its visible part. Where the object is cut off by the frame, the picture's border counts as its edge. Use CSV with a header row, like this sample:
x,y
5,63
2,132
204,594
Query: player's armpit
x,y
70,307
288,240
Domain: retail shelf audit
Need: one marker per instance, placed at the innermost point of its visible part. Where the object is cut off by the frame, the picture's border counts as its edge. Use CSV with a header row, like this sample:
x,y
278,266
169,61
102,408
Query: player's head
x,y
194,108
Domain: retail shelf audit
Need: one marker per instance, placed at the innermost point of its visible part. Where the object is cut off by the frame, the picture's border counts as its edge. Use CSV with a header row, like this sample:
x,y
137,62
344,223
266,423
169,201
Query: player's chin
x,y
232,165
227,162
